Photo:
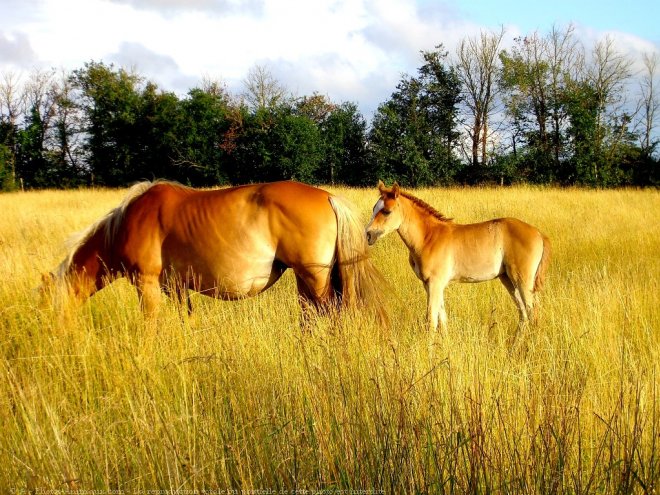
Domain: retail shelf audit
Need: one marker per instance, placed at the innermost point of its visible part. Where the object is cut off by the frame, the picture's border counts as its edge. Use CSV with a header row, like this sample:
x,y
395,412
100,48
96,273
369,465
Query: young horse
x,y
228,243
442,251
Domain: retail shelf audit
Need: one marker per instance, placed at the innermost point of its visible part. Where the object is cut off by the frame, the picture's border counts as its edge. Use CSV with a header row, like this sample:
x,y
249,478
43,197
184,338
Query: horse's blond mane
x,y
425,206
110,222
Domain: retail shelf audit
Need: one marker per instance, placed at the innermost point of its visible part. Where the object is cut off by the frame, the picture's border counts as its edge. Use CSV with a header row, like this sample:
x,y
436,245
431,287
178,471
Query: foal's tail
x,y
543,264
362,285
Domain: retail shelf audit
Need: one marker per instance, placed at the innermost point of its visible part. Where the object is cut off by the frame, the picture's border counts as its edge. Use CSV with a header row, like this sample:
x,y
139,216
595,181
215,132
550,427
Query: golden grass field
x,y
239,400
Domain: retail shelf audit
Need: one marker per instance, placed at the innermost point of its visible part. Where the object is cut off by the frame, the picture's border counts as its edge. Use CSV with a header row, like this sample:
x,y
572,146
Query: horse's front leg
x,y
149,292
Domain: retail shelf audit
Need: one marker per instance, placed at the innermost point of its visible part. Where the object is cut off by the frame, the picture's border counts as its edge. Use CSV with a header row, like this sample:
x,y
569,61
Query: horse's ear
x,y
381,187
395,190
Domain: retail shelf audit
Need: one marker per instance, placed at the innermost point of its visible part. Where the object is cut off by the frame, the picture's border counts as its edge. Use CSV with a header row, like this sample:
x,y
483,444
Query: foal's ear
x,y
381,187
395,190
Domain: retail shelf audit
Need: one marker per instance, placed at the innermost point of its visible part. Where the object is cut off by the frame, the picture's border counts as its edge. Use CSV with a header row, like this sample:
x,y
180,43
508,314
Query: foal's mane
x,y
425,206
110,223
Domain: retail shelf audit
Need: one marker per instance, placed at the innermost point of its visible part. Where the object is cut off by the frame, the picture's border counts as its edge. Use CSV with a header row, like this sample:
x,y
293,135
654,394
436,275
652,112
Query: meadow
x,y
237,399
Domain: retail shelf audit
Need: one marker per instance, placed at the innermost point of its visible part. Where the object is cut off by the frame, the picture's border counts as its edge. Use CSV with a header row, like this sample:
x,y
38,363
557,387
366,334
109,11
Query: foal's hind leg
x,y
521,297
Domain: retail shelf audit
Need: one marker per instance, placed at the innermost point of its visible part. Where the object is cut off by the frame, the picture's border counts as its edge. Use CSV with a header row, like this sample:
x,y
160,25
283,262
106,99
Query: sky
x,y
348,50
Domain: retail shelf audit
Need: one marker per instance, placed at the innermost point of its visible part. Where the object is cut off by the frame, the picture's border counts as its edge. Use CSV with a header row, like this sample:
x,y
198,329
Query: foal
x,y
442,251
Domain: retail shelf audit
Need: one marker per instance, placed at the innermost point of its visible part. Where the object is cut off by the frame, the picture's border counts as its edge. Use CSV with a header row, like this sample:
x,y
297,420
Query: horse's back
x,y
302,220
298,201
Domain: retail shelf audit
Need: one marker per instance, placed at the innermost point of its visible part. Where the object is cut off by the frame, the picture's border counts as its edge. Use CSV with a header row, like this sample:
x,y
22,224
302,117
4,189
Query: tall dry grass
x,y
238,398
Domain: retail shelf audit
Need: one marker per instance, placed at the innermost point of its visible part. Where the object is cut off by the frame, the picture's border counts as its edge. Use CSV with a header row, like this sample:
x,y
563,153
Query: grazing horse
x,y
442,251
228,243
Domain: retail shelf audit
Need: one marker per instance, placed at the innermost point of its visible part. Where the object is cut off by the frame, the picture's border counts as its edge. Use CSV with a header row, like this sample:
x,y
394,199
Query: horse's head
x,y
64,286
386,216
80,275
54,290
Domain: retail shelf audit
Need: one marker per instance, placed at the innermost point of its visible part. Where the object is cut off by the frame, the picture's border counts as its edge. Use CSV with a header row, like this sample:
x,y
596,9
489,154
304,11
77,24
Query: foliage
x,y
414,132
550,119
276,144
343,139
7,182
202,138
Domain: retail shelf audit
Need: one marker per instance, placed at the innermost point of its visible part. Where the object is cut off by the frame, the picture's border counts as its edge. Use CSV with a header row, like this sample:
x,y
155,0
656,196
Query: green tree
x,y
439,98
276,144
156,135
297,148
608,75
207,132
11,102
525,73
110,101
32,165
344,136
66,152
414,132
6,178
582,108
343,139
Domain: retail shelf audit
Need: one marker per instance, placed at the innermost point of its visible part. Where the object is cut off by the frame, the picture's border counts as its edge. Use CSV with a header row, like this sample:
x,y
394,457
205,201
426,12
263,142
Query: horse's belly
x,y
233,278
245,283
240,279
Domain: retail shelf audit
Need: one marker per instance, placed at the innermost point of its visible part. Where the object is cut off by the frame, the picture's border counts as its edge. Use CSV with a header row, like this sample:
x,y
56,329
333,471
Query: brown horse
x,y
442,251
228,243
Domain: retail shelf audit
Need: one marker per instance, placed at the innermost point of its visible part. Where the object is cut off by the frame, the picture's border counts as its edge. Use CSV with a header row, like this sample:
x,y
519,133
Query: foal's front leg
x,y
435,304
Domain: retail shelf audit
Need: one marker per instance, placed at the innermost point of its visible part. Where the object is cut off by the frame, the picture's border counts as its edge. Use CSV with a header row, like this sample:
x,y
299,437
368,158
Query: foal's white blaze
x,y
371,236
380,204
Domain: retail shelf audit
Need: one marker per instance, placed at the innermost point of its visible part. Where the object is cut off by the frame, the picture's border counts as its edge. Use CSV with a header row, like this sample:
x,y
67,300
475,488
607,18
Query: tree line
x,y
547,110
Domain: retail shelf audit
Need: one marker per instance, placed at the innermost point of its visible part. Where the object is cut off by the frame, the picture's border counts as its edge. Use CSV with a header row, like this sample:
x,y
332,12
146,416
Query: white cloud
x,y
351,50
15,50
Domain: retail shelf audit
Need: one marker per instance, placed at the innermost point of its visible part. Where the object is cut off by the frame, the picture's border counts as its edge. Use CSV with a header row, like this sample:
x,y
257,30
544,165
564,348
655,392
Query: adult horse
x,y
442,251
228,243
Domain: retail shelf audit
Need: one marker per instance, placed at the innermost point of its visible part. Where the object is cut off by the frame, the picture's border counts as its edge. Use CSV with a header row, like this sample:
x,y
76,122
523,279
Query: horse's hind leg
x,y
314,292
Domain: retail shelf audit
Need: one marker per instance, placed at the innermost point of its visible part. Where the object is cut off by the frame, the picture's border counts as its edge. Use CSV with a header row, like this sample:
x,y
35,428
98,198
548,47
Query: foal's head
x,y
387,216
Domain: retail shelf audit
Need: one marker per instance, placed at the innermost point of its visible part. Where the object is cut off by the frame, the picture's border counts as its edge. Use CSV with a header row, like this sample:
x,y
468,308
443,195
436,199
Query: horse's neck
x,y
414,226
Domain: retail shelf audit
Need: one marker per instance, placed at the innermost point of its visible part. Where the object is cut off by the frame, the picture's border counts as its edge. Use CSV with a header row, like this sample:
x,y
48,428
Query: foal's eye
x,y
385,212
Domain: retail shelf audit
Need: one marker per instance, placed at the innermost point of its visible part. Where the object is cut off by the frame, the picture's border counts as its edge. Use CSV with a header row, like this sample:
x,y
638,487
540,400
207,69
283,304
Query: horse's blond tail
x,y
362,285
543,264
